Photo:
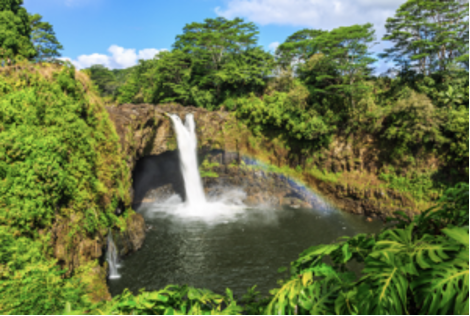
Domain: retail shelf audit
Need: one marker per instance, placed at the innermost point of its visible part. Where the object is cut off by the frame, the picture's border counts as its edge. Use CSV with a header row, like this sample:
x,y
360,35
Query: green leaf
x,y
458,234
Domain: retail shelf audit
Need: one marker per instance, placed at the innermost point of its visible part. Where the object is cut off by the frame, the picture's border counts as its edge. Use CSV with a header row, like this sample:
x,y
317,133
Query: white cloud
x,y
273,46
119,57
148,53
321,14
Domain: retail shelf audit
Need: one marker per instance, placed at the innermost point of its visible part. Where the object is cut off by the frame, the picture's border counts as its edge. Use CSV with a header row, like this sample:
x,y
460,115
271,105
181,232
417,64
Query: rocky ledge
x,y
259,189
145,130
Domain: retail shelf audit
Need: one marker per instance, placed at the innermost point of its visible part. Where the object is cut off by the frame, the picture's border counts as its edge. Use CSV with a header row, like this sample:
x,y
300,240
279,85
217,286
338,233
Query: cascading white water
x,y
112,258
196,204
187,147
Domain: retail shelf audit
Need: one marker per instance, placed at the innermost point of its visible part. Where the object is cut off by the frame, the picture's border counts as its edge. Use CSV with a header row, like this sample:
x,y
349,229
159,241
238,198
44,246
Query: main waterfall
x,y
187,147
196,205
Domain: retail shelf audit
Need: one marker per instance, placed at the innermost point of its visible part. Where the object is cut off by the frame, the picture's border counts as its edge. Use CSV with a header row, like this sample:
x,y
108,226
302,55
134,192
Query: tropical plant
x,y
421,266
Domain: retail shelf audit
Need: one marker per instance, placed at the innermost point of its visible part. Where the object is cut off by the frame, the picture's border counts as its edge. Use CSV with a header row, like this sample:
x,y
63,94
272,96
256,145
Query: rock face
x,y
145,130
376,203
133,237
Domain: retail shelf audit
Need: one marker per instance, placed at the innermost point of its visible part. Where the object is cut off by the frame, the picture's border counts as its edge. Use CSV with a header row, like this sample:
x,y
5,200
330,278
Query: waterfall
x,y
187,147
112,258
196,206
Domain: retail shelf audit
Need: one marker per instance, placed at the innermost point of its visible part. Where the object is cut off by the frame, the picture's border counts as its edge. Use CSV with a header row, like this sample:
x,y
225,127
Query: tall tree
x,y
15,31
347,48
215,38
44,40
298,47
209,43
428,35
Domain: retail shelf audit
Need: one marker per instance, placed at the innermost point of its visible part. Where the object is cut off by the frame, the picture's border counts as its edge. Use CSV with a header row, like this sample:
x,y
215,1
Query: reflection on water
x,y
235,253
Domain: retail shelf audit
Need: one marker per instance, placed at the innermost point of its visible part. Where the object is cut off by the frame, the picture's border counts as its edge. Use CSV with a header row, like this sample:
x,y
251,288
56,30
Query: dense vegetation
x,y
321,85
60,162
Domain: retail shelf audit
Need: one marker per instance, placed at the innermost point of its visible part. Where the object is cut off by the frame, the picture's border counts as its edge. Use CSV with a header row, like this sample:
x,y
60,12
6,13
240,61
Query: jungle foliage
x,y
57,151
320,83
15,32
107,81
210,62
59,162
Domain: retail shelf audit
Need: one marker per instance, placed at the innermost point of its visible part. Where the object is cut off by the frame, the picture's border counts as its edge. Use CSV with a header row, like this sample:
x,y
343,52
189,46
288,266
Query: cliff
x,y
144,130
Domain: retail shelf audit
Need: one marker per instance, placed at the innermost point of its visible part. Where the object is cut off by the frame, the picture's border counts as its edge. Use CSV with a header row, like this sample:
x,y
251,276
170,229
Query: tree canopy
x,y
15,31
298,47
428,35
43,38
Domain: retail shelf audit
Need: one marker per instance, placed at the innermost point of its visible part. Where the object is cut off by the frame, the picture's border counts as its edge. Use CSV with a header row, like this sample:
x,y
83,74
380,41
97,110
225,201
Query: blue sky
x,y
117,33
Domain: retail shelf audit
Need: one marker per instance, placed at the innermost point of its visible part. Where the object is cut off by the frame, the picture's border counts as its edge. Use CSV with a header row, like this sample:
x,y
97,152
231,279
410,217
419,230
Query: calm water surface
x,y
236,253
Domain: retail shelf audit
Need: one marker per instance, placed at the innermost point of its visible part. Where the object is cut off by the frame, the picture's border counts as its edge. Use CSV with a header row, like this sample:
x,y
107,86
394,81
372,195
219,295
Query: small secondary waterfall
x,y
112,258
187,147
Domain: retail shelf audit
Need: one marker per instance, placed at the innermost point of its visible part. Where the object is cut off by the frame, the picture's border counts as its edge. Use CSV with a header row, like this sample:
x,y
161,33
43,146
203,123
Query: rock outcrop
x,y
133,237
145,130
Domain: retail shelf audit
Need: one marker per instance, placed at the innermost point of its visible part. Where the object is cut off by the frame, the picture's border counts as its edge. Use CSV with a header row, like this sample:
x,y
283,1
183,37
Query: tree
x,y
298,47
246,72
44,40
15,31
349,49
215,38
209,43
428,35
104,79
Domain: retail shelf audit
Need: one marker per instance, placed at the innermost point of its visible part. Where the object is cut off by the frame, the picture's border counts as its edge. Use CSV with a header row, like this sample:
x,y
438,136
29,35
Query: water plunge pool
x,y
236,253
220,243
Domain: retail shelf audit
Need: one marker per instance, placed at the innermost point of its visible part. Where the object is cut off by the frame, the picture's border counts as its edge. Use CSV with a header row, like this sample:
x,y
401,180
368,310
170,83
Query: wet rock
x,y
133,237
159,194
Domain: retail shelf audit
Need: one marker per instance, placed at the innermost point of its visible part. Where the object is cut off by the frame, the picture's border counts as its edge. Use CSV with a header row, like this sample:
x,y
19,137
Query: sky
x,y
117,33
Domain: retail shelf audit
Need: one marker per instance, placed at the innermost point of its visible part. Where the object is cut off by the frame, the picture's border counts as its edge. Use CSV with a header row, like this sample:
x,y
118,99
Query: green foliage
x,y
413,122
15,31
59,161
30,283
456,129
57,152
286,113
43,38
406,269
107,81
298,47
323,175
211,62
428,35
172,300
205,169
420,186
